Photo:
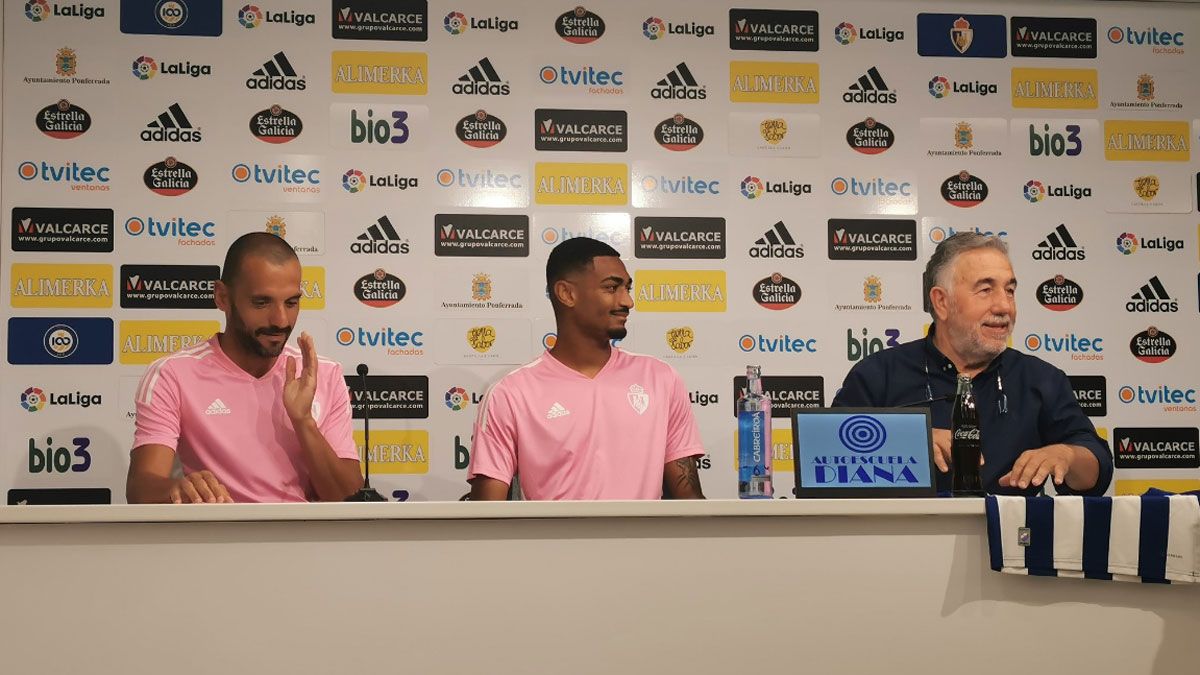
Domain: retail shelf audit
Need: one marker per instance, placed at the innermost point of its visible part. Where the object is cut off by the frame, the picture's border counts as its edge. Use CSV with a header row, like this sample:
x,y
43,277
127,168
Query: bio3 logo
x,y
369,129
60,459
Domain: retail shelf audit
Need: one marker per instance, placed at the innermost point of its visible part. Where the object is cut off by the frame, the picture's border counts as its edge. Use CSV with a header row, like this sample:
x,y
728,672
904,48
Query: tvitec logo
x,y
778,344
593,80
60,459
185,232
80,177
393,342
1170,398
290,179
1160,41
1080,348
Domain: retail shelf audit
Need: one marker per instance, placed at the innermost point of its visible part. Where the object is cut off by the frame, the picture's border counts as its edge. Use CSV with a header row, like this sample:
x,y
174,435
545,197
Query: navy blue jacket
x,y
1041,406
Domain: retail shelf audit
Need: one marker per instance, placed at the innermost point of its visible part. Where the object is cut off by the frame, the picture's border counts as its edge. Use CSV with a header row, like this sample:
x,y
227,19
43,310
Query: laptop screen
x,y
863,452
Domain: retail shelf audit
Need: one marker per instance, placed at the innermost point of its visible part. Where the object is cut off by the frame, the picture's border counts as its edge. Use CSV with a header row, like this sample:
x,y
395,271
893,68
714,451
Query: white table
x,y
821,586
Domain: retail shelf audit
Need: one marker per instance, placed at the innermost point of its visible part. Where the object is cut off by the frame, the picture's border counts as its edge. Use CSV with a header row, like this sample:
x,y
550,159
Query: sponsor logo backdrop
x,y
774,178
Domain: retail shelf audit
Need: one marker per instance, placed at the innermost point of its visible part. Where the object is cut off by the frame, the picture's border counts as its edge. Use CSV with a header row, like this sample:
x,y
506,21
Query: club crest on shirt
x,y
638,398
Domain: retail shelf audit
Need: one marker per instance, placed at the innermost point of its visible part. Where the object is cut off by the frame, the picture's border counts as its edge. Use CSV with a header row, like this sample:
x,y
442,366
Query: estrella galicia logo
x,y
46,341
168,286
62,230
275,125
1059,294
480,130
1091,391
678,133
396,20
1048,37
674,237
787,392
964,190
969,35
170,177
63,120
1152,346
479,235
579,26
776,30
389,396
870,137
171,17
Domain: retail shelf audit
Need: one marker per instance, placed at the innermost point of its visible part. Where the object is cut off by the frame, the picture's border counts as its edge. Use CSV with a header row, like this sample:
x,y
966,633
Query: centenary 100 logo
x,y
862,434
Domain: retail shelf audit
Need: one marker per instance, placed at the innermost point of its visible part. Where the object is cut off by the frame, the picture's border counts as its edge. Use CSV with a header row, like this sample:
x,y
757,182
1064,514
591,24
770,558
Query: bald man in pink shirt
x,y
234,414
587,420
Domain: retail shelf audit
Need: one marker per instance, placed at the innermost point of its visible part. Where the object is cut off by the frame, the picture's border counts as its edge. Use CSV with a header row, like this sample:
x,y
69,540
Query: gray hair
x,y
948,251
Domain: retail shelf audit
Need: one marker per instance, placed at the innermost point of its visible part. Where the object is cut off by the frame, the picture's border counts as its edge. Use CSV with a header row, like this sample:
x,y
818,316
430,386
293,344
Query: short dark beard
x,y
617,333
247,340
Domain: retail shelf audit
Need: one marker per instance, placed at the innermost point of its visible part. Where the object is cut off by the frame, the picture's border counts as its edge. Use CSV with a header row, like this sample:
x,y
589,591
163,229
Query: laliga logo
x,y
455,23
37,10
752,187
862,434
939,87
353,181
33,399
845,33
1034,191
1127,243
654,28
250,16
144,68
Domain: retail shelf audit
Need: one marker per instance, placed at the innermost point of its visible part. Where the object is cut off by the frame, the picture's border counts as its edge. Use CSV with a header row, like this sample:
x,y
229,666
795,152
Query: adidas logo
x,y
217,407
870,88
277,74
557,410
481,80
171,125
1152,297
679,84
380,238
1059,245
776,242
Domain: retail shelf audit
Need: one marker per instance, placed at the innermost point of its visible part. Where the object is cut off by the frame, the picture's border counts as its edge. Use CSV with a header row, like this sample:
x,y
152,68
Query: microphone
x,y
366,493
926,401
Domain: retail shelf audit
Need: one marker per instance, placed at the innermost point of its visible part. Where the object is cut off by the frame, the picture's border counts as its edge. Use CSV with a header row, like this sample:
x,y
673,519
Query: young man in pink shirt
x,y
587,420
235,415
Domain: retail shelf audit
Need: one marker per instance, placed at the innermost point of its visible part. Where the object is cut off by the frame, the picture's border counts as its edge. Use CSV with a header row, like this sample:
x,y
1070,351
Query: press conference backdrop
x,y
774,178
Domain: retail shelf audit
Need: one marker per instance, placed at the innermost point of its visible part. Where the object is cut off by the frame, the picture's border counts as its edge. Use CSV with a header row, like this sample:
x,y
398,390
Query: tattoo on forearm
x,y
688,480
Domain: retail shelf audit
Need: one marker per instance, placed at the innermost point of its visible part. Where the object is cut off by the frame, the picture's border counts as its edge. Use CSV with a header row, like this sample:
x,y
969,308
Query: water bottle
x,y
754,439
965,444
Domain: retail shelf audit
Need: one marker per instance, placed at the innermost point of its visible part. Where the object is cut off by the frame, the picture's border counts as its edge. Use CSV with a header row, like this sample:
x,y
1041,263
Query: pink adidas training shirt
x,y
218,417
570,437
